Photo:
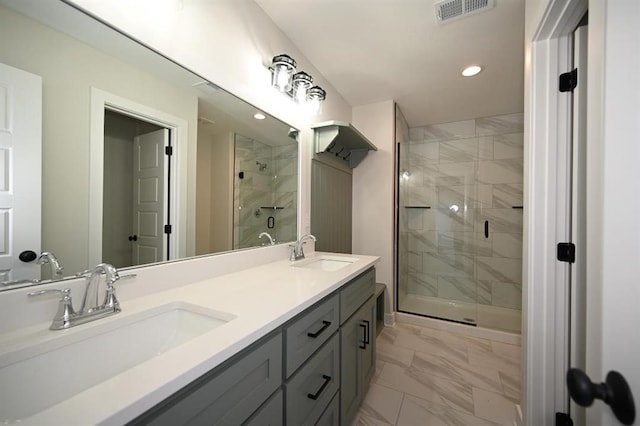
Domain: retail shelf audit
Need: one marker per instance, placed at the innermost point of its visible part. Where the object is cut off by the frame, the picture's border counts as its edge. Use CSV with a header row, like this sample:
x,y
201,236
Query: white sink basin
x,y
326,263
44,374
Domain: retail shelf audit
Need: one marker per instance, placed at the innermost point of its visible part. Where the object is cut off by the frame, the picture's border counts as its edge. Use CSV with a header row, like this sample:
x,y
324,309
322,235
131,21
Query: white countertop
x,y
262,298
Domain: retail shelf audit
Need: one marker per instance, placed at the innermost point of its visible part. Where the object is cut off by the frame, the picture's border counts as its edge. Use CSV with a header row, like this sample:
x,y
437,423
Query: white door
x,y
149,200
613,199
20,172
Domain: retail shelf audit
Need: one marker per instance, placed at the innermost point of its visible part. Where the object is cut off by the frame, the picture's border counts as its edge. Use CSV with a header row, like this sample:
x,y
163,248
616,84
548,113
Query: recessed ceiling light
x,y
259,116
471,71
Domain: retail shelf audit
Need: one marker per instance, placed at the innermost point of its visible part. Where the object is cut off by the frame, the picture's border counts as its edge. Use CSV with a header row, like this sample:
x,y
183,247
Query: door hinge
x,y
168,150
167,229
569,80
563,419
566,252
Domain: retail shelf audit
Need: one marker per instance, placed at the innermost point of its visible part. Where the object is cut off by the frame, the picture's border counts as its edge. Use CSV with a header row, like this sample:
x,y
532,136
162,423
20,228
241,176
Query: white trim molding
x,y
101,100
546,216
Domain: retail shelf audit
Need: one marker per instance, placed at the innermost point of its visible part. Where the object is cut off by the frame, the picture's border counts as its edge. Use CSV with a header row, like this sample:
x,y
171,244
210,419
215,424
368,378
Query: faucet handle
x,y
62,319
66,292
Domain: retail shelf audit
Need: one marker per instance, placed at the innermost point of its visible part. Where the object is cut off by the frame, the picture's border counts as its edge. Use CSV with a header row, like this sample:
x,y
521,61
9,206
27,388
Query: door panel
x,y
20,171
149,197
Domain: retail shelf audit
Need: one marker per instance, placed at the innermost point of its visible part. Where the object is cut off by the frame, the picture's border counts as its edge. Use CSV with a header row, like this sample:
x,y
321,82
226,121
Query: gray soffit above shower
x,y
342,140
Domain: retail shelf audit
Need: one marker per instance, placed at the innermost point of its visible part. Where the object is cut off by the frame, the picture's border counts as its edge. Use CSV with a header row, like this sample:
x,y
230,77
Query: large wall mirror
x,y
110,152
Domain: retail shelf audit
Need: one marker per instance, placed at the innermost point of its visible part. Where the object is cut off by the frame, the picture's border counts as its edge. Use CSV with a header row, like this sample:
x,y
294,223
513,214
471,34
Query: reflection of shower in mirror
x,y
262,166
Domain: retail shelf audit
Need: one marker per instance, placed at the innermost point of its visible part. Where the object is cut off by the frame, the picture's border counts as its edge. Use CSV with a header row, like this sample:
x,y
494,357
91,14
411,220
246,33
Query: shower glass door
x,y
460,222
438,230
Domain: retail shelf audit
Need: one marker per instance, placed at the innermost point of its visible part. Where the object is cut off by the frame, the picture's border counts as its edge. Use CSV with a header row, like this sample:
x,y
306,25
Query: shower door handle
x,y
486,229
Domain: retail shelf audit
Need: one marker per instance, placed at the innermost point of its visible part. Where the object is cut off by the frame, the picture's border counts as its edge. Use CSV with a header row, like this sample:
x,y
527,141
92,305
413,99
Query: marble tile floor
x,y
432,377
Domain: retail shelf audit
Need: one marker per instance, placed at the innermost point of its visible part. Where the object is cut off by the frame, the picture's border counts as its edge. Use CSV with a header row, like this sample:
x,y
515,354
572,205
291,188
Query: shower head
x,y
261,166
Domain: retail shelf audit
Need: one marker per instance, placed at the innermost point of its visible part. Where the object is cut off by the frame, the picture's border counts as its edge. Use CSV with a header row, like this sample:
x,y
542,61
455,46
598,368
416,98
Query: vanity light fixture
x,y
471,71
298,85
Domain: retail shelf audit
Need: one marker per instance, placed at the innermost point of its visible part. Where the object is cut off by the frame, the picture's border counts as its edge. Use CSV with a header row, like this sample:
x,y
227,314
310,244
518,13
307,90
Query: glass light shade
x,y
282,69
301,84
314,99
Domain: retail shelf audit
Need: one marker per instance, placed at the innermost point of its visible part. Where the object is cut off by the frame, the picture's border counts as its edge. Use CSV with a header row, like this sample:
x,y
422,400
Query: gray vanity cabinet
x,y
313,370
230,394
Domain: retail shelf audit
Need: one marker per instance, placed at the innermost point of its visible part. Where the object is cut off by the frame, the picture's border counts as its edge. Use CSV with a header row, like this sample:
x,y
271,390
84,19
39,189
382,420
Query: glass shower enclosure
x,y
459,253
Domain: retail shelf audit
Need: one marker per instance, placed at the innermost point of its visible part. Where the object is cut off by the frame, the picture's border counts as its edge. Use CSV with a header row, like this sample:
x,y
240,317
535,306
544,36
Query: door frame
x,y
102,100
547,187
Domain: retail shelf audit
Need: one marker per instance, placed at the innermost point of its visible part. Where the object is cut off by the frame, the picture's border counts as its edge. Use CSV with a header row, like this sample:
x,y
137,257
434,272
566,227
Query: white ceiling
x,y
374,50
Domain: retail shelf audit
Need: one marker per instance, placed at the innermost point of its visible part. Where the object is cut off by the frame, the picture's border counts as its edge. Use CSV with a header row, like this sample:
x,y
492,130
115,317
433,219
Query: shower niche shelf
x,y
272,207
417,207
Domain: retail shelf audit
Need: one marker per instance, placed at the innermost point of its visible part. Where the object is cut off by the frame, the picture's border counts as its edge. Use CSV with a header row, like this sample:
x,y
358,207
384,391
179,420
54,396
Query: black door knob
x,y
28,256
614,391
133,238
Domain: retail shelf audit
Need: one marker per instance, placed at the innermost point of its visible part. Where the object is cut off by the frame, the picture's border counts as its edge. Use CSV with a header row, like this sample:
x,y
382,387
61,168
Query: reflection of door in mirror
x,y
136,179
20,178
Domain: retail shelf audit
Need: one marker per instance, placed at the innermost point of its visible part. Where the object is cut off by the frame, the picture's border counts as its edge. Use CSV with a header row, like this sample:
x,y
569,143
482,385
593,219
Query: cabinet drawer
x,y
310,390
226,396
270,414
304,336
331,416
356,293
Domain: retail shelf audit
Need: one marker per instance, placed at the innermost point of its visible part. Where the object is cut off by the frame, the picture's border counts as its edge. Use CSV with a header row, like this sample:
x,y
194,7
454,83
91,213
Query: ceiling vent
x,y
450,10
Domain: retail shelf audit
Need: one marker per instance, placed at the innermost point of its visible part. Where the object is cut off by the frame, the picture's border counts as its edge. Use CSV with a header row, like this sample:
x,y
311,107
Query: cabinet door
x,y
351,341
228,395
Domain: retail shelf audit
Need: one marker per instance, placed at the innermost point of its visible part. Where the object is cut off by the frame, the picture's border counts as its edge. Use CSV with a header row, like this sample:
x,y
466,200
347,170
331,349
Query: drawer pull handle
x,y
314,396
365,339
367,335
325,325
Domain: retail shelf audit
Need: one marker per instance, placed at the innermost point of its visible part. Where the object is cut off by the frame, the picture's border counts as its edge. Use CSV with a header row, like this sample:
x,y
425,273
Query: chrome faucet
x,y
50,258
266,234
297,252
67,317
93,282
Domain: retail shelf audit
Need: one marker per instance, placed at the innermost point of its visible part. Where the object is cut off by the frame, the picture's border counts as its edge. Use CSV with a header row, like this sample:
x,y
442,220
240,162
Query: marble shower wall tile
x,y
468,172
446,131
506,295
499,269
450,265
457,151
507,195
424,152
425,242
464,196
500,171
508,146
500,220
500,124
422,284
507,245
459,289
465,242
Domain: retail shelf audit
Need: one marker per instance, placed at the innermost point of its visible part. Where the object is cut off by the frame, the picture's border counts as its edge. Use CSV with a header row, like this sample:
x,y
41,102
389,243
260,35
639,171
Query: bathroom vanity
x,y
279,343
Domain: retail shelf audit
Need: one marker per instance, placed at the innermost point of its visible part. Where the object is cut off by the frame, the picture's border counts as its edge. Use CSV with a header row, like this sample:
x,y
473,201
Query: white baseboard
x,y
484,333
390,319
